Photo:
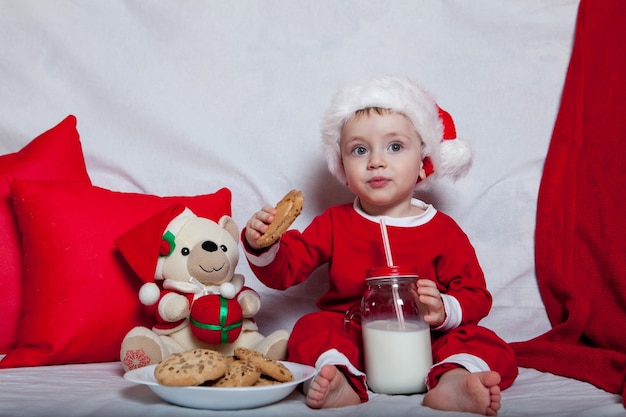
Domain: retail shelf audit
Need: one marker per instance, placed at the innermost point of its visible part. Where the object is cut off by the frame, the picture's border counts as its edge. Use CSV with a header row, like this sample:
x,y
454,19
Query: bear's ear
x,y
227,223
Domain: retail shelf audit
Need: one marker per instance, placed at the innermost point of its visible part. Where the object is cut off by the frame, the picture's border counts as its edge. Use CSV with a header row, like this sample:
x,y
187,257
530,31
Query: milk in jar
x,y
396,340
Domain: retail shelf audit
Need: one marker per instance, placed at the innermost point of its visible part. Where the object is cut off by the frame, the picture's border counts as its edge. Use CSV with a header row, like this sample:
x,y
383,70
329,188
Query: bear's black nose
x,y
209,246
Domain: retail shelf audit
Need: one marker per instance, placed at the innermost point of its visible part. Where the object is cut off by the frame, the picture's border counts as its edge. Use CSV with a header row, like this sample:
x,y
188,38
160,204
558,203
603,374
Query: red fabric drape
x,y
580,239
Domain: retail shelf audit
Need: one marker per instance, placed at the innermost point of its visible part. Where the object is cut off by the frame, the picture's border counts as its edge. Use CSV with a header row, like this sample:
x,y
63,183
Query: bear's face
x,y
204,250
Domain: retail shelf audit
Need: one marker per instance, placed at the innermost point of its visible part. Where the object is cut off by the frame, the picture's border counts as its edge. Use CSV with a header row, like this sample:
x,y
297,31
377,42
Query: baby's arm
x,y
258,224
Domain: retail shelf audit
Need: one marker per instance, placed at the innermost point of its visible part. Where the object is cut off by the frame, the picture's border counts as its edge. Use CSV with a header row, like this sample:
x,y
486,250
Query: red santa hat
x,y
445,155
146,245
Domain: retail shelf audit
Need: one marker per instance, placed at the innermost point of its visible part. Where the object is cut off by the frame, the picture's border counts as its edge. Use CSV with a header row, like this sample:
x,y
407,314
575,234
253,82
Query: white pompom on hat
x,y
445,155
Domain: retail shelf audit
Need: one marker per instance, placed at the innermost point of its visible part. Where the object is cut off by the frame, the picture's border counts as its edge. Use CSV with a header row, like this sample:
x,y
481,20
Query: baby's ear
x,y
426,168
422,174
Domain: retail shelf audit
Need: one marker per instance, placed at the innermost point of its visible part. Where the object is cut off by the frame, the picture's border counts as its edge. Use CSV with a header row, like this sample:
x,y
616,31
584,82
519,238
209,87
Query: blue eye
x,y
395,147
359,150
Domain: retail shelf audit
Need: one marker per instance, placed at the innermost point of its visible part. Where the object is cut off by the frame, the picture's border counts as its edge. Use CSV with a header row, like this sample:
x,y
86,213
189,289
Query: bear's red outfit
x,y
162,326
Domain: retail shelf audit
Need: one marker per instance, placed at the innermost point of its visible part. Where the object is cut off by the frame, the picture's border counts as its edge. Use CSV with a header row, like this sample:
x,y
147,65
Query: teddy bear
x,y
198,299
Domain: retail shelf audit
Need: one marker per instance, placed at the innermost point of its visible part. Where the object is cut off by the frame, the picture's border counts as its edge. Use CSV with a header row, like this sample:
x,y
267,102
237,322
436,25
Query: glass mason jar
x,y
396,340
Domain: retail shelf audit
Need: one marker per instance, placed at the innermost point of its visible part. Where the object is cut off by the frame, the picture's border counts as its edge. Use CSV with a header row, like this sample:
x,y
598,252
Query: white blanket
x,y
99,390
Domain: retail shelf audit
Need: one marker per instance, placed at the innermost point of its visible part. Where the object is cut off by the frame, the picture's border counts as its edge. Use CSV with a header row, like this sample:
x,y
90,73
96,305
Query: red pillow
x,y
80,297
54,155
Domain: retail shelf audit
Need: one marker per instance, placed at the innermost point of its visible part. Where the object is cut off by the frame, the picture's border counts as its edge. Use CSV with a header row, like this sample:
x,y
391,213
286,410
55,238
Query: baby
x,y
384,139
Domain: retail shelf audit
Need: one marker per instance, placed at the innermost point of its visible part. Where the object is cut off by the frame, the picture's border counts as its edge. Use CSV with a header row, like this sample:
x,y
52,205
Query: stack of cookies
x,y
208,367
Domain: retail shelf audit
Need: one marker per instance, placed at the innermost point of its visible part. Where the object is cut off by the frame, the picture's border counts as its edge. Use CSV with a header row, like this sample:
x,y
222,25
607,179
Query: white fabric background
x,y
189,96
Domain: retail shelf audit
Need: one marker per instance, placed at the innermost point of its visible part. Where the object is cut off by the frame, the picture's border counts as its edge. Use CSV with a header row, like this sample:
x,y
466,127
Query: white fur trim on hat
x,y
452,158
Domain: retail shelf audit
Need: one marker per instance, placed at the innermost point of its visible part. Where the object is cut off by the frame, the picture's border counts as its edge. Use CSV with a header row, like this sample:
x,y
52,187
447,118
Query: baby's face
x,y
382,159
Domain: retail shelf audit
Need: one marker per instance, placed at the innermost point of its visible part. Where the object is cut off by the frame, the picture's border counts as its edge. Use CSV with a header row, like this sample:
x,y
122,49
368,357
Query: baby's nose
x,y
376,160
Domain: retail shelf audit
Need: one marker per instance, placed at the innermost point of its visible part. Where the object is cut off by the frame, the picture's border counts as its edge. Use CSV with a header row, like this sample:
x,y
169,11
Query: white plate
x,y
213,398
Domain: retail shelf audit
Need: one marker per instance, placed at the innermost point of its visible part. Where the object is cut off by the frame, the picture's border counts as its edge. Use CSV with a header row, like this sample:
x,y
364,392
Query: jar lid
x,y
391,271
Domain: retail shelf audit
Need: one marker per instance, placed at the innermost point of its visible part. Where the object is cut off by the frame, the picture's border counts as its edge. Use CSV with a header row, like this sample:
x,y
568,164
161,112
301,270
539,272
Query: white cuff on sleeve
x,y
454,314
265,258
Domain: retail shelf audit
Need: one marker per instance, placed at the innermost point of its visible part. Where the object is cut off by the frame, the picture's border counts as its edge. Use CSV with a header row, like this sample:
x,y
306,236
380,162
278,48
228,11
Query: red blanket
x,y
580,237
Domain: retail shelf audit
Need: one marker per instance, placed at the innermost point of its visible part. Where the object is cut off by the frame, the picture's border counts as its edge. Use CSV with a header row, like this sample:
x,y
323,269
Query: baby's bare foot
x,y
330,389
459,390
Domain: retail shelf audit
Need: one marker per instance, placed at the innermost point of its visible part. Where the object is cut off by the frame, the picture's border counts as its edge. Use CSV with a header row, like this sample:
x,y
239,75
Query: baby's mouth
x,y
378,182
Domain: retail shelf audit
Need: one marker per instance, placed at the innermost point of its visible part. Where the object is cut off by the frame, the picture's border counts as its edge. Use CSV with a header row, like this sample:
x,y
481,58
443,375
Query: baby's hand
x,y
430,303
258,224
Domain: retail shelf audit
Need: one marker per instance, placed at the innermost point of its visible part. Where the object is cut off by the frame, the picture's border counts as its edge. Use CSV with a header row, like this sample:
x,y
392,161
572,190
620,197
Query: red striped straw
x,y
394,287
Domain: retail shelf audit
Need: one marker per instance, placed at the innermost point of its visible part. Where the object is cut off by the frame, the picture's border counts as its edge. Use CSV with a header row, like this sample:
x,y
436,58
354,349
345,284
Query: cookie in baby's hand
x,y
189,368
287,210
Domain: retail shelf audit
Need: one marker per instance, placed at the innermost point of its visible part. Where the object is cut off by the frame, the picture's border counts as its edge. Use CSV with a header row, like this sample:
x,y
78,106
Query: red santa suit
x,y
349,241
